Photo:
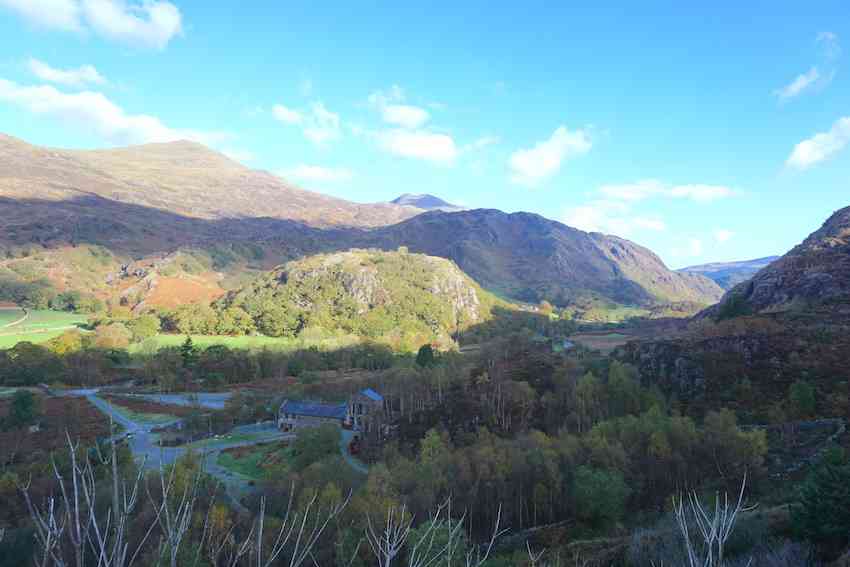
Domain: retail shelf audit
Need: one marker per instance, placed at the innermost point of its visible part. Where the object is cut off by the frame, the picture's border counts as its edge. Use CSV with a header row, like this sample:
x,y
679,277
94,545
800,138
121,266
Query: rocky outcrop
x,y
815,273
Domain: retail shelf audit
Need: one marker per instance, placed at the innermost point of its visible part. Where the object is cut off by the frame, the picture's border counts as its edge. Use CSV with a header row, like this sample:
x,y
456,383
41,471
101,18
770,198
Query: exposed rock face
x,y
374,279
687,367
814,273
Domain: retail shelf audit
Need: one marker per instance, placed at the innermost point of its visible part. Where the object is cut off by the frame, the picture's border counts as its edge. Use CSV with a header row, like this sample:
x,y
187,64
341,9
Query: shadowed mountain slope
x,y
150,202
529,257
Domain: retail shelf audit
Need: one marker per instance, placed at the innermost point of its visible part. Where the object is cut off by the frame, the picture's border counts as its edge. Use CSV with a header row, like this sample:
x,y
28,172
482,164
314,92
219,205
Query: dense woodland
x,y
512,431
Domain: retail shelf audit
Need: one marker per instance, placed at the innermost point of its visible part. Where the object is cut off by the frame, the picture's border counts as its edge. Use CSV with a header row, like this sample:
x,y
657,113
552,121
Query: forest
x,y
569,451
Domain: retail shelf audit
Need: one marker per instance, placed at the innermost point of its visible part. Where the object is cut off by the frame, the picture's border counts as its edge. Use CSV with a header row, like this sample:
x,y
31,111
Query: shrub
x,y
822,515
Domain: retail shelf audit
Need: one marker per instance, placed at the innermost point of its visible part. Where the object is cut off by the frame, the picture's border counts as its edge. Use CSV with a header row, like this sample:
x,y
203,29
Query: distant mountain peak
x,y
426,202
729,274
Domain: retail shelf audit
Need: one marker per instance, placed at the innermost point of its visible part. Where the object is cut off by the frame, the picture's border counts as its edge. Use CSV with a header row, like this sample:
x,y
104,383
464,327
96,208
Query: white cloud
x,y
427,146
405,115
286,115
378,99
483,142
322,125
150,24
532,166
821,146
610,217
828,42
94,112
80,76
319,125
319,174
50,14
647,188
637,191
798,85
388,103
722,235
701,193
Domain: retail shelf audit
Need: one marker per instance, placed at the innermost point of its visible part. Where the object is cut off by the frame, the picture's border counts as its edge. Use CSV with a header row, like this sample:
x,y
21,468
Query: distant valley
x,y
729,274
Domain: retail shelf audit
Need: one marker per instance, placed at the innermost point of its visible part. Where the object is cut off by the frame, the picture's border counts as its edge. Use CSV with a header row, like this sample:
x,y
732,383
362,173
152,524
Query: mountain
x,y
729,274
528,257
160,224
425,202
815,274
789,322
398,296
183,178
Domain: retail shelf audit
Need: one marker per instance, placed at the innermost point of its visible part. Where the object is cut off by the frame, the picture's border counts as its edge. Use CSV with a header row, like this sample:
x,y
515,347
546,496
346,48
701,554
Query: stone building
x,y
363,412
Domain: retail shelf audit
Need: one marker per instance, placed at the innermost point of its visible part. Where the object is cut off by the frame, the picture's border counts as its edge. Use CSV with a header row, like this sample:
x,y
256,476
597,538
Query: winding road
x,y
143,443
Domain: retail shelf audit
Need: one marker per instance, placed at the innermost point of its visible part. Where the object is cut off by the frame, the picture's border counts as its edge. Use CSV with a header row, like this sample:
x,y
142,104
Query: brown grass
x,y
170,292
144,406
82,421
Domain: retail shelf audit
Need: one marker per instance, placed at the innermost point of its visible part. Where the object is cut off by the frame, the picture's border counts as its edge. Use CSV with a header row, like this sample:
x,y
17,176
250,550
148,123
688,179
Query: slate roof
x,y
315,409
372,395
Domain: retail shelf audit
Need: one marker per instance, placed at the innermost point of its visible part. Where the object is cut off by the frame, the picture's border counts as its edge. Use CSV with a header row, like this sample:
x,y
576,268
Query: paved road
x,y
142,442
344,441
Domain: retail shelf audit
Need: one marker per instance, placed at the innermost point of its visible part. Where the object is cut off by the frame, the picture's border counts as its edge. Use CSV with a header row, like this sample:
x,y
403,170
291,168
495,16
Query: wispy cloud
x,y
531,166
428,146
816,78
615,212
95,113
318,124
610,217
286,115
800,84
78,77
149,24
821,146
647,188
828,42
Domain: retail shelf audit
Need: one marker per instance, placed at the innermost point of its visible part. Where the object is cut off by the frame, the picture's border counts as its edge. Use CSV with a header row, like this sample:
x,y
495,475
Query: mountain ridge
x,y
729,274
147,205
183,177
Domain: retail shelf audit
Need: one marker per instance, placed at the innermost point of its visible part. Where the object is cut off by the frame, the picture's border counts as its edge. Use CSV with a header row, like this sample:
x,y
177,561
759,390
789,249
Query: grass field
x,y
257,462
9,315
212,442
39,326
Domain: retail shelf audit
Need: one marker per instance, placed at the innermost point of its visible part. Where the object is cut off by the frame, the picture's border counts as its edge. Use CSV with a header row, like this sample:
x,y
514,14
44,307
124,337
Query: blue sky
x,y
706,131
